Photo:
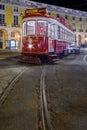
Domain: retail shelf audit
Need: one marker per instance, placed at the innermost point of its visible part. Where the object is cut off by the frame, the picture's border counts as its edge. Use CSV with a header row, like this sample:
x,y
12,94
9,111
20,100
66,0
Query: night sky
x,y
73,4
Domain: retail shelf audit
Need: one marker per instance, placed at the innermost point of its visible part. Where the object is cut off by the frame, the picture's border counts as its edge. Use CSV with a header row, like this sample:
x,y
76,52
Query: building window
x,y
66,17
15,9
74,25
2,18
73,18
86,25
80,25
80,19
15,20
2,7
58,15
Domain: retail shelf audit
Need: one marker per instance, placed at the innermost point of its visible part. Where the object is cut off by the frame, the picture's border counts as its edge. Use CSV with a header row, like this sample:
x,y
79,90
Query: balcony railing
x,y
80,30
15,25
74,30
3,24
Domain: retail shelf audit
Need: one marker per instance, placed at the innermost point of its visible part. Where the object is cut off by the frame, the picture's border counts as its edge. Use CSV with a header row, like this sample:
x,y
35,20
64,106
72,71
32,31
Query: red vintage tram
x,y
45,37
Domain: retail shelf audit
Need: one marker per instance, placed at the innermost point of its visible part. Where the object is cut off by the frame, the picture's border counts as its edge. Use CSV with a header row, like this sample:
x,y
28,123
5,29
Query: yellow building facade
x,y
11,26
11,22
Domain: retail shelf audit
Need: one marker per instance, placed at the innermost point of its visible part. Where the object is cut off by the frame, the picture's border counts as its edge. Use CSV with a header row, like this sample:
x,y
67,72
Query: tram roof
x,y
42,12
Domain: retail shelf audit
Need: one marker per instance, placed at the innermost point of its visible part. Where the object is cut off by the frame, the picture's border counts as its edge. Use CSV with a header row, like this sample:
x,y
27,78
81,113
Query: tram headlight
x,y
30,46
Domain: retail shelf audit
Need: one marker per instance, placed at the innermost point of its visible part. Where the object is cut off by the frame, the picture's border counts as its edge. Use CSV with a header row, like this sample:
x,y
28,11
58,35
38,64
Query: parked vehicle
x,y
84,45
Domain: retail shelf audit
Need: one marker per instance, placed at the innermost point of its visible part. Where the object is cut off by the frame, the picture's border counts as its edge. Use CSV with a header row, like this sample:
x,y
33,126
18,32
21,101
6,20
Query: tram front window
x,y
31,28
41,27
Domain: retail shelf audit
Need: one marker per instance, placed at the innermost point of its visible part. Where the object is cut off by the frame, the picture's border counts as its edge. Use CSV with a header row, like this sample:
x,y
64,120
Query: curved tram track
x,y
44,108
59,97
43,114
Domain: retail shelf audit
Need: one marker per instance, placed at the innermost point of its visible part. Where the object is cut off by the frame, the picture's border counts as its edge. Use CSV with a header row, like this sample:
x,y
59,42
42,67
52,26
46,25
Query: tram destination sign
x,y
35,11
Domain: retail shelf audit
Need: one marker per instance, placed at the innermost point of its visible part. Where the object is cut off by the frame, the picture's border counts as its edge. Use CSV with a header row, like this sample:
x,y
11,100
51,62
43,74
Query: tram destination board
x,y
36,10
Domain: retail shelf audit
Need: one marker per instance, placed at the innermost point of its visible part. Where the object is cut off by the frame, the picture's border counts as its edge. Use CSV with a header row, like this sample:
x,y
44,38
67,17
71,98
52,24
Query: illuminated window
x,y
63,34
59,32
31,28
51,30
41,27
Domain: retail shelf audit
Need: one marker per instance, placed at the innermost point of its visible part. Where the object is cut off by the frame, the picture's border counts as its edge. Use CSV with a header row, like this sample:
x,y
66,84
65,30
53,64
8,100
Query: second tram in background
x,y
45,38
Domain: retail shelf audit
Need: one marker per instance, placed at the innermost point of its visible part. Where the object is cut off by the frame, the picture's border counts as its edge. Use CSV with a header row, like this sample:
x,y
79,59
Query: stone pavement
x,y
19,114
6,53
8,74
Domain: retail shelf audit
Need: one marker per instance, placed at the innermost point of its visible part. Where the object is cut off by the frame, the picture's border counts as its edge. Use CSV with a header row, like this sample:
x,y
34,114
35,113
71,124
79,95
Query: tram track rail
x,y
45,117
46,124
10,86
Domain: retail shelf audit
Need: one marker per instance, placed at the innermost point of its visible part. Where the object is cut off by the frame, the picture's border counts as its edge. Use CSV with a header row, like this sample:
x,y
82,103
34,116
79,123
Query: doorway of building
x,y
16,36
3,37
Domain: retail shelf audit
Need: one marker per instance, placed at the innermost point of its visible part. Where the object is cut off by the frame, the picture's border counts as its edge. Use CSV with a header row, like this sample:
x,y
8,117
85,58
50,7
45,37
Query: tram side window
x,y
31,28
61,33
65,35
41,27
24,29
58,32
68,36
51,30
